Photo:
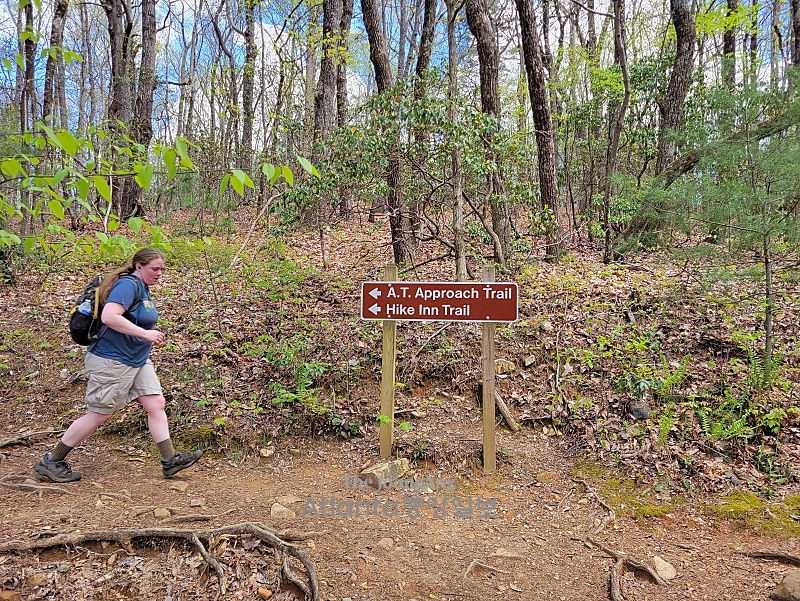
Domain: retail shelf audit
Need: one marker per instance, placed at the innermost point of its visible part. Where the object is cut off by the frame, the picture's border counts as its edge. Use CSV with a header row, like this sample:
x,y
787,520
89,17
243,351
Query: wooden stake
x,y
506,412
387,374
489,444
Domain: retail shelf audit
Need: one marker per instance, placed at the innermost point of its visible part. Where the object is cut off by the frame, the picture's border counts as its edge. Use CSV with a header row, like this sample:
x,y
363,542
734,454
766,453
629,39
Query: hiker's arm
x,y
112,317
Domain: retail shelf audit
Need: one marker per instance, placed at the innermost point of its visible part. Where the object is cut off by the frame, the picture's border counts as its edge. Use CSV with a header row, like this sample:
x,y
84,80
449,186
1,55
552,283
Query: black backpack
x,y
85,325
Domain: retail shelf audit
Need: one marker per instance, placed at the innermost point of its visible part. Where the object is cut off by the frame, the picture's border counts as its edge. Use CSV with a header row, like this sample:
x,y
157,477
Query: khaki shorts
x,y
112,384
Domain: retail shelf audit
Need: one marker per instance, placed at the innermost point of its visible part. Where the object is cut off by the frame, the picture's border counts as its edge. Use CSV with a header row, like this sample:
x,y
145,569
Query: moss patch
x,y
198,438
756,514
623,495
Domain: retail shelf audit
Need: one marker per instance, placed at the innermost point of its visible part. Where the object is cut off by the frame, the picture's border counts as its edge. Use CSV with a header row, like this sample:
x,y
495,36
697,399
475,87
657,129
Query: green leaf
x,y
56,208
145,177
101,236
50,134
7,64
180,146
20,60
135,223
169,156
242,177
306,164
8,238
223,185
70,56
30,241
68,142
83,186
288,175
102,187
59,177
237,185
11,168
268,169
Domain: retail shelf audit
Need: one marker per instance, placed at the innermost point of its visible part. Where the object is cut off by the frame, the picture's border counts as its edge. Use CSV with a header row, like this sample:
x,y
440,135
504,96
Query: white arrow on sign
x,y
375,292
376,308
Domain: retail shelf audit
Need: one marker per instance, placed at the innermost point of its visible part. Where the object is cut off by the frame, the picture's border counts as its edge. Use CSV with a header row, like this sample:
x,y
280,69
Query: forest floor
x,y
543,526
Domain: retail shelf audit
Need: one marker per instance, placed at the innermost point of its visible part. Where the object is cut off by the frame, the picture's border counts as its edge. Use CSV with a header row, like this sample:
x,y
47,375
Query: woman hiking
x,y
119,369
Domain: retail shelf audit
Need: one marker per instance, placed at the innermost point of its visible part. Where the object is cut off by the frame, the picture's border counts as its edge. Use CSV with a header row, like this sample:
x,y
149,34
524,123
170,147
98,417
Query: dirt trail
x,y
530,549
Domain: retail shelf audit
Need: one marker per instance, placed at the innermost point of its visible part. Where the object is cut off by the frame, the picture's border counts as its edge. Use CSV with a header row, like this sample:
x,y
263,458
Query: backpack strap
x,y
129,311
139,286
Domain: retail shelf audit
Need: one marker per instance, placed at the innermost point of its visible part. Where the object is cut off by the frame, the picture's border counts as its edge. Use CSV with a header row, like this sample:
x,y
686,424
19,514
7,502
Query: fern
x,y
665,426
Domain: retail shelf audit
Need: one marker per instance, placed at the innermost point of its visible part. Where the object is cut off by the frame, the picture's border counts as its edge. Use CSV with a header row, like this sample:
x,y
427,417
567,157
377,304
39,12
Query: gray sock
x,y
60,452
166,449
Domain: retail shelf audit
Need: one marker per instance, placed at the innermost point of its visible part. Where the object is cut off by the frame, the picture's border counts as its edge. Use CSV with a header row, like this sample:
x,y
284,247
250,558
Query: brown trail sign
x,y
439,301
392,300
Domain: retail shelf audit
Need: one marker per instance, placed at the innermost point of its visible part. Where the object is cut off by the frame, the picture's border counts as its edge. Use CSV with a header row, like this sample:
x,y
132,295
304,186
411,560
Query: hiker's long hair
x,y
143,256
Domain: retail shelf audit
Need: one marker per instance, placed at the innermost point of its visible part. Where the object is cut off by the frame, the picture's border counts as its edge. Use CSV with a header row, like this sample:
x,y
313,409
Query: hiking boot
x,y
179,461
56,471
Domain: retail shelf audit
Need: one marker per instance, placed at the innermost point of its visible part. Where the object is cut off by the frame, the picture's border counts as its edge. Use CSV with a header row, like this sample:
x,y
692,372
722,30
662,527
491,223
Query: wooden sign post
x,y
487,302
489,444
387,374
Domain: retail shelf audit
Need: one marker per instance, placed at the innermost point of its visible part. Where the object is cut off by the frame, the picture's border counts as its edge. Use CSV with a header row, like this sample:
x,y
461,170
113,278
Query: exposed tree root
x,y
477,564
28,484
309,585
623,562
23,438
198,517
779,555
610,515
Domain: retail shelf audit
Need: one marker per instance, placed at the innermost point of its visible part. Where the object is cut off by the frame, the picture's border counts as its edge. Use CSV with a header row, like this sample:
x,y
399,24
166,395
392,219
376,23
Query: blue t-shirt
x,y
130,350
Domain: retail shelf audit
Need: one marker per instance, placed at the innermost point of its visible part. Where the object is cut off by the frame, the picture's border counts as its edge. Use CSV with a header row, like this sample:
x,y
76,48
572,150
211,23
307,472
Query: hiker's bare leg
x,y
83,427
157,422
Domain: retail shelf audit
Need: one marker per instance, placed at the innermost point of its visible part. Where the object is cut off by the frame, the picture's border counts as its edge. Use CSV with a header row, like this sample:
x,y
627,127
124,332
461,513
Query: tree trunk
x,y
795,14
346,194
459,246
421,136
402,39
485,34
53,59
29,109
612,158
729,49
27,106
311,75
119,32
248,77
325,100
672,107
61,94
120,28
86,94
752,49
229,124
141,126
540,107
379,55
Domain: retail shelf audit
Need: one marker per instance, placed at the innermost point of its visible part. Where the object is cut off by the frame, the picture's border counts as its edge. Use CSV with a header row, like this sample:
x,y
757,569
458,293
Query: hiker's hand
x,y
153,336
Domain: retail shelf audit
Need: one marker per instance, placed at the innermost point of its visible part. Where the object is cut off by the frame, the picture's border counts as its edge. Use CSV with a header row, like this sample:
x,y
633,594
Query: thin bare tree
x,y
672,106
540,108
485,33
398,216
